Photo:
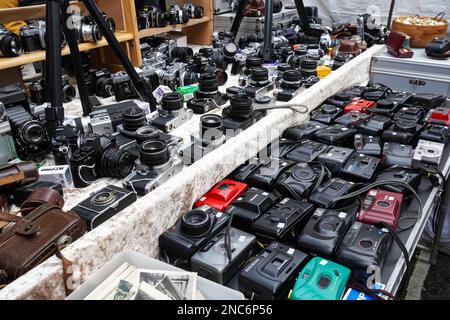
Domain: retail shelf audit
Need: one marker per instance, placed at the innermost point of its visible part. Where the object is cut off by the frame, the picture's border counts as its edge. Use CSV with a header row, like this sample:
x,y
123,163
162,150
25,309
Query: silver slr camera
x,y
172,113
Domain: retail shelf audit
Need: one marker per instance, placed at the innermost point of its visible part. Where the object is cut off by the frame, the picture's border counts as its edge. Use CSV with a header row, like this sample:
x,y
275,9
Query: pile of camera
x,y
153,17
323,211
32,36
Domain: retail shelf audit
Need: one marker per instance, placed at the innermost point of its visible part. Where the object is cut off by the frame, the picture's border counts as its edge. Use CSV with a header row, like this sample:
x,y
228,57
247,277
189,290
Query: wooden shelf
x,y
155,31
6,63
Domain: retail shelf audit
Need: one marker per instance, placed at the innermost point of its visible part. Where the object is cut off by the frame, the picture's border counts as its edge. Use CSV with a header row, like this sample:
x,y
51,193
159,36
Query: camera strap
x,y
298,108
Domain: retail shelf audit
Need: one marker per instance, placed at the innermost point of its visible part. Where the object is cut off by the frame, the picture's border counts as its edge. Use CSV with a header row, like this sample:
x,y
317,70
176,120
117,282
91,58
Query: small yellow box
x,y
323,71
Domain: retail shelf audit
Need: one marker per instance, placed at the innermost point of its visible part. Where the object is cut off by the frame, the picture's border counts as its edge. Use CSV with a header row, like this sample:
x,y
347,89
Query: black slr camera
x,y
190,233
97,157
178,15
240,115
151,17
172,113
100,83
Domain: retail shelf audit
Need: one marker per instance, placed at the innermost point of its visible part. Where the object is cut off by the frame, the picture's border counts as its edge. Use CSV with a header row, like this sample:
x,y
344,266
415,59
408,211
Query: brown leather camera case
x,y
34,239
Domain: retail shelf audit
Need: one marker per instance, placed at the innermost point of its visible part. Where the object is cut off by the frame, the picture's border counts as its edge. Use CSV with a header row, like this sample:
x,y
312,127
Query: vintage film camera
x,y
351,118
97,157
326,114
410,177
336,134
151,17
100,83
428,153
103,205
210,136
299,181
211,262
7,147
329,191
154,167
381,206
30,135
190,233
324,231
368,145
397,154
289,86
222,194
321,279
335,158
240,115
361,167
307,151
362,247
250,206
435,133
374,125
10,44
172,113
283,221
272,273
303,131
266,175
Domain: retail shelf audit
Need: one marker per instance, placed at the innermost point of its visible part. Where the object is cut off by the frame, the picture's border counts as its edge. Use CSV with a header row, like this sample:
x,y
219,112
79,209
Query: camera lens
x,y
309,68
104,87
254,62
116,163
133,118
292,80
195,223
183,53
210,122
241,106
230,50
190,78
147,133
329,109
103,199
68,93
208,86
37,93
172,101
33,132
10,45
154,153
260,77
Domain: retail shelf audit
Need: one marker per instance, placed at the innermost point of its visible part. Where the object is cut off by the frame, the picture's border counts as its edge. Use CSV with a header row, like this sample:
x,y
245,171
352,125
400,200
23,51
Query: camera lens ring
x,y
196,223
32,132
172,101
10,45
68,93
133,118
209,122
103,199
154,153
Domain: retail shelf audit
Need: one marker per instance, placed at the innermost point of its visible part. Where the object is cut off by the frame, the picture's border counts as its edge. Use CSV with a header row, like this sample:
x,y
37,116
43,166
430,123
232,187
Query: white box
x,y
57,174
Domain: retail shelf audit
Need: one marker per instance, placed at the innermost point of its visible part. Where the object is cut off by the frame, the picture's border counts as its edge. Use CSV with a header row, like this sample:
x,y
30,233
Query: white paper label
x,y
324,262
281,225
242,238
219,214
291,251
342,215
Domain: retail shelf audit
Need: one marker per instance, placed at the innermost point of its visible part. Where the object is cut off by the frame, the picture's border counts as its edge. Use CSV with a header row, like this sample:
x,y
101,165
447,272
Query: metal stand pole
x,y
391,12
440,220
268,31
240,10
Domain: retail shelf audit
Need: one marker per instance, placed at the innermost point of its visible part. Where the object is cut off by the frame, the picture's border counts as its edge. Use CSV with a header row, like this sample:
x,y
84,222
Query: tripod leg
x,y
55,114
240,10
302,15
268,31
76,59
391,12
143,88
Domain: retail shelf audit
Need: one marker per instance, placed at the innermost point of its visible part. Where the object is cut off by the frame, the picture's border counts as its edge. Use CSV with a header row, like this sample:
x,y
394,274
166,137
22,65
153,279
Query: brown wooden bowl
x,y
421,35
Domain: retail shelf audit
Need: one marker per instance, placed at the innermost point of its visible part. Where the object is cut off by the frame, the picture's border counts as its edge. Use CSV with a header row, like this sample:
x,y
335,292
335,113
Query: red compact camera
x,y
440,116
359,105
381,206
222,195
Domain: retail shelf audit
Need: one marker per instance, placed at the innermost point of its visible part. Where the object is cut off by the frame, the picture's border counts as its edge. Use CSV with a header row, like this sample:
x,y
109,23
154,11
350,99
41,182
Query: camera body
x,y
324,231
289,86
428,153
397,154
381,206
307,151
374,125
303,131
30,37
266,175
7,147
240,115
326,114
222,195
440,116
211,262
435,133
335,158
172,113
402,131
351,118
368,145
190,233
336,134
103,205
30,135
410,177
362,247
101,83
360,106
298,181
272,273
283,221
361,167
321,279
331,190
250,206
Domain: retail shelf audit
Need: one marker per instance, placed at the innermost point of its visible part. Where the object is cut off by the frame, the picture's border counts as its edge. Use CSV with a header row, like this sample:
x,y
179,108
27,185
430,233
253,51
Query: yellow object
x,y
12,26
323,71
289,295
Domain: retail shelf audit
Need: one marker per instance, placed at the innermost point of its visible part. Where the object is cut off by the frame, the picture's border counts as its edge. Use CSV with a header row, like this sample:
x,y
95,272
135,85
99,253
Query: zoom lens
x,y
104,87
292,80
241,106
154,153
195,223
116,163
211,125
208,86
260,77
172,101
133,118
185,54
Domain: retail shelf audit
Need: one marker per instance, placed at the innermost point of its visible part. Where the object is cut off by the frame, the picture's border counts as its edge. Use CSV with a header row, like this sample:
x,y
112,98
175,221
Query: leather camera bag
x,y
34,239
